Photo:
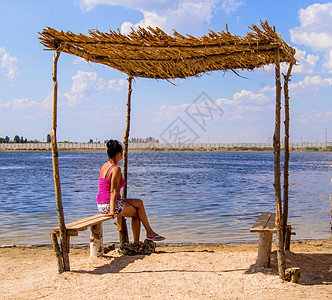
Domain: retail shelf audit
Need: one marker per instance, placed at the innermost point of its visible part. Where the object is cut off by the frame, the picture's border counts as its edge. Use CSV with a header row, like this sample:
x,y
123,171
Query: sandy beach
x,y
224,271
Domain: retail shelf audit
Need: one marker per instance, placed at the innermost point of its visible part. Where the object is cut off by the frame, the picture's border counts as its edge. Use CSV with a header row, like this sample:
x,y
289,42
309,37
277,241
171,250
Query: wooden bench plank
x,y
81,221
271,224
261,222
83,224
56,229
265,223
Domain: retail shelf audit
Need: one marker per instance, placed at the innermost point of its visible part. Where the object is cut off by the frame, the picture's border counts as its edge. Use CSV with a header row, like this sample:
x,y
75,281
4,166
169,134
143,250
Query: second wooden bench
x,y
265,226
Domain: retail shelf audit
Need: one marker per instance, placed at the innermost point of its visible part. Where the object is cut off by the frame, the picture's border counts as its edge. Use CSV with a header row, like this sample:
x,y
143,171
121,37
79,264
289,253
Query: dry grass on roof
x,y
152,53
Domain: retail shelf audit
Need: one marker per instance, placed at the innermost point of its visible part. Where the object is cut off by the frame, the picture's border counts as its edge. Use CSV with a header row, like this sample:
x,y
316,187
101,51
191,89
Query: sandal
x,y
156,238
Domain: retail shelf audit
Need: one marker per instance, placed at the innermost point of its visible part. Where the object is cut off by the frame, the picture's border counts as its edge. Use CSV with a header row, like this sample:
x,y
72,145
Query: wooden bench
x,y
265,226
96,236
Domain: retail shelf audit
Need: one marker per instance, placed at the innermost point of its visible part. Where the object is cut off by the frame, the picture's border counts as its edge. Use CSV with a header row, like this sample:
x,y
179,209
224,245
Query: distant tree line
x,y
149,139
18,139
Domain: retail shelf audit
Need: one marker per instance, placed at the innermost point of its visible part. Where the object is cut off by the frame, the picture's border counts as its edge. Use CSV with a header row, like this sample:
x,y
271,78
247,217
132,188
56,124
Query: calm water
x,y
190,197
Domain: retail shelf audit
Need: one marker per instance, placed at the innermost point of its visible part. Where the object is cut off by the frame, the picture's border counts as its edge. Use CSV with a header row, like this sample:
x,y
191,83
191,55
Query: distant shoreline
x,y
170,147
311,150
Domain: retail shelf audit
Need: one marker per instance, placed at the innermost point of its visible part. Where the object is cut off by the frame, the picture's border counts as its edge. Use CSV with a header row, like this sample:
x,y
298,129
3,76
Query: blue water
x,y
189,196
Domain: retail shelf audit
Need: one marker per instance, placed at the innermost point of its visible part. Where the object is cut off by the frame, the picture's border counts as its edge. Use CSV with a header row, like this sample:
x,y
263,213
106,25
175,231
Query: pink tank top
x,y
104,188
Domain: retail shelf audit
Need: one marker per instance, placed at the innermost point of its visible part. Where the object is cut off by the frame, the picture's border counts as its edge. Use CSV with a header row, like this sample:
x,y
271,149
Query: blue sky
x,y
92,97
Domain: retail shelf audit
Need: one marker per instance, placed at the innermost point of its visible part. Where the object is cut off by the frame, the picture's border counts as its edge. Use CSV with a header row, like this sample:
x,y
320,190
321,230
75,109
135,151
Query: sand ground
x,y
173,272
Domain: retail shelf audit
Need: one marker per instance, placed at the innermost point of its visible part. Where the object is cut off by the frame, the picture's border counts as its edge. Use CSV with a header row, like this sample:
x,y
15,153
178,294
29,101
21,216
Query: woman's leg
x,y
136,228
130,211
139,206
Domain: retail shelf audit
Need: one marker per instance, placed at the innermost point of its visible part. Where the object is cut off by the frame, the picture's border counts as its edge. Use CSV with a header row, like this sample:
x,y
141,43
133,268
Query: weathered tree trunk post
x,y
277,183
293,275
96,240
122,226
57,251
286,158
56,174
264,249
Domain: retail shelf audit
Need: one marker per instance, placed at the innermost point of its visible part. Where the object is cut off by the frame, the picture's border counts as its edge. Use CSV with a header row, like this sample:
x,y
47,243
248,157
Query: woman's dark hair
x,y
113,148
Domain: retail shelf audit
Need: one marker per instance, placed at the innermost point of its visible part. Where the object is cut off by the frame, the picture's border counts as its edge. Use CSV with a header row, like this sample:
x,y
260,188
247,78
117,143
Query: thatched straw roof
x,y
152,53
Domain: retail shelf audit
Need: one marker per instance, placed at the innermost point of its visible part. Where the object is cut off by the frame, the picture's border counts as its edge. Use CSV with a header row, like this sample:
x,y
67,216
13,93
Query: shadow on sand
x,y
316,268
115,266
118,264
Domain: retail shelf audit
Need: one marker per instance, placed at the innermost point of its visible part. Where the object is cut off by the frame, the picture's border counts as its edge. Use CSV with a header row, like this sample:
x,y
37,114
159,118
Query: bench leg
x,y
264,249
96,240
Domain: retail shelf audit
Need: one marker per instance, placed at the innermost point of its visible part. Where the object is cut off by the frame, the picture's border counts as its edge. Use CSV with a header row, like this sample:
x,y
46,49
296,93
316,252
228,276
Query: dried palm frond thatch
x,y
152,53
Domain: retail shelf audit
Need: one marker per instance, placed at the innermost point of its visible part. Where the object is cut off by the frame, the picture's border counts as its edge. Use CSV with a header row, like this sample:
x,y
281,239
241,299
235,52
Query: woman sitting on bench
x,y
109,200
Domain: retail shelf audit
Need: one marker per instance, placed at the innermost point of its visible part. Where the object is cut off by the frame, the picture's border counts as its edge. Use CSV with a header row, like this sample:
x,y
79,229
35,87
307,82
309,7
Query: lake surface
x,y
190,197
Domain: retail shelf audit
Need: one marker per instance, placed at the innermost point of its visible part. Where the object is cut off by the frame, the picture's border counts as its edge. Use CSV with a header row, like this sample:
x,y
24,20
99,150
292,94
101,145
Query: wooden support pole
x,y
56,174
96,240
123,233
264,249
58,253
277,183
331,209
126,137
286,157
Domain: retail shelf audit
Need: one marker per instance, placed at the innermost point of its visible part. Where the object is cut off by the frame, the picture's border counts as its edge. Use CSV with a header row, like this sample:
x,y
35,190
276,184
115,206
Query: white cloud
x,y
316,27
328,115
311,116
185,15
243,103
168,112
8,63
182,15
268,89
249,98
311,81
315,30
306,62
79,60
117,85
24,104
84,83
88,83
5,105
236,108
102,116
150,19
223,101
309,85
230,6
328,61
